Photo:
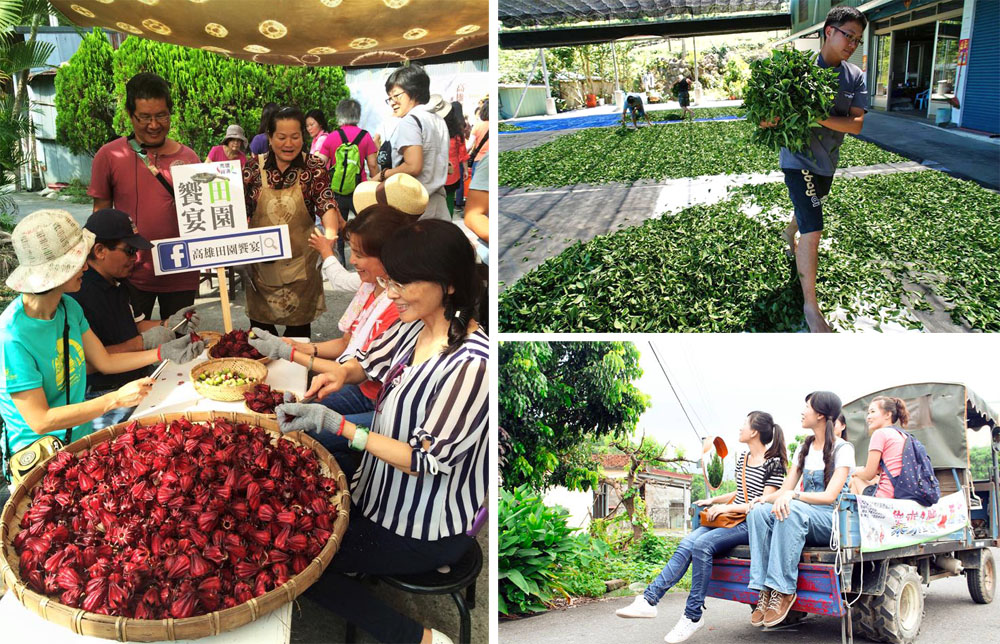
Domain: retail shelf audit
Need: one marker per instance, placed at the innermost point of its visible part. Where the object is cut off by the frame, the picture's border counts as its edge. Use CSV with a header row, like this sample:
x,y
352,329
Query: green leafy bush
x,y
712,268
603,155
536,550
211,92
84,103
788,86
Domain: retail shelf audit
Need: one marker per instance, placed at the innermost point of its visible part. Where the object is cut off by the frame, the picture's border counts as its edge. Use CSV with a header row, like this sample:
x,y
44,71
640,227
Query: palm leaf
x,y
23,56
10,14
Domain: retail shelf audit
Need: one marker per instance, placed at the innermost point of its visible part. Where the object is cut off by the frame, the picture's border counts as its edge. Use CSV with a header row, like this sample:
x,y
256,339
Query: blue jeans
x,y
356,408
697,550
776,546
113,417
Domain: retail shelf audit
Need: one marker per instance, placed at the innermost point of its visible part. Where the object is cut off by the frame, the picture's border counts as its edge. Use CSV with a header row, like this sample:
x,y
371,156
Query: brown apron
x,y
288,292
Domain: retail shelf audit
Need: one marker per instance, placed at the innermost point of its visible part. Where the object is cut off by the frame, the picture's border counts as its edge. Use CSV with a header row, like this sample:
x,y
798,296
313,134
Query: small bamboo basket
x,y
271,416
124,629
212,338
242,366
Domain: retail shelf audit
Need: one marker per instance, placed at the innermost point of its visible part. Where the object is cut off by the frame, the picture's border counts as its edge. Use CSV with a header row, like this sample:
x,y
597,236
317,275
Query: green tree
x,y
980,459
699,491
555,399
84,104
794,445
715,471
211,92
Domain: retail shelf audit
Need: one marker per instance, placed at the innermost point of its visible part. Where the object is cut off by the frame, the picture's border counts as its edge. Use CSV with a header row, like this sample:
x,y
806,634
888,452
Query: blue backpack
x,y
916,480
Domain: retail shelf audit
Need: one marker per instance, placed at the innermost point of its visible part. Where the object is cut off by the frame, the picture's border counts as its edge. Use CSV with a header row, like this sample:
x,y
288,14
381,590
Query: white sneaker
x,y
437,637
638,608
684,629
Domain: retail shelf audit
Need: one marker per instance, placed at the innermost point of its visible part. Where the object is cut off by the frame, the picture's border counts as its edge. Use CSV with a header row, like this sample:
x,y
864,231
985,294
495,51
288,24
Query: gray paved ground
x,y
950,616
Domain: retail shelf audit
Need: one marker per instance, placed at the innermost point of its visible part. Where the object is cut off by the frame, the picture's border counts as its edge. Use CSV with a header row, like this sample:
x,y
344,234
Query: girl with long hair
x,y
782,523
762,467
885,418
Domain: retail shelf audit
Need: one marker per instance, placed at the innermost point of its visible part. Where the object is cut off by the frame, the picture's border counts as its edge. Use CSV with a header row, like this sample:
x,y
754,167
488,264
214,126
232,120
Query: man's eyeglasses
x,y
850,38
146,119
394,97
128,250
391,285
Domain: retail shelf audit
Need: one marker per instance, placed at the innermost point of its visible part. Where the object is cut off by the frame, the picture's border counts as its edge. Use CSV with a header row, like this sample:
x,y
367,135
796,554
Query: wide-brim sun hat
x,y
51,247
234,132
437,105
400,191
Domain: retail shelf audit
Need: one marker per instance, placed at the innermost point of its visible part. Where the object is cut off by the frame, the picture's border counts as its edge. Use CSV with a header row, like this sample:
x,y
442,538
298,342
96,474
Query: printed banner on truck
x,y
894,523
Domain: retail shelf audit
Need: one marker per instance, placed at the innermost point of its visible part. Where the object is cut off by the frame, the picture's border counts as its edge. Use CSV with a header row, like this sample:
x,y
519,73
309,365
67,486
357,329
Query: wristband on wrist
x,y
312,359
291,358
158,347
360,439
315,349
340,430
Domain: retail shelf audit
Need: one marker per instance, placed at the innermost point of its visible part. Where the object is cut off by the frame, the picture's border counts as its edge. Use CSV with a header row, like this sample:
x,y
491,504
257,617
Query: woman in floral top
x,y
296,191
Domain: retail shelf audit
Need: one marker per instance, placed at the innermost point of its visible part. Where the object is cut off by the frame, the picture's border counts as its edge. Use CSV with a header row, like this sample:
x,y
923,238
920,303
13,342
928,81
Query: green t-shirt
x,y
31,353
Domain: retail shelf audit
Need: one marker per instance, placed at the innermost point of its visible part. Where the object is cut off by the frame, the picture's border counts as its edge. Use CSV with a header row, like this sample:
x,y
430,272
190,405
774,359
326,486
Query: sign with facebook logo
x,y
215,251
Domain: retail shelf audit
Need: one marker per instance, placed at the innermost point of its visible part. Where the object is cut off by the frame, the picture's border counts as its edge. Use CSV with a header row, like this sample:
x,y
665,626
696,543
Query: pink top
x,y
890,442
218,153
366,146
117,173
479,130
317,143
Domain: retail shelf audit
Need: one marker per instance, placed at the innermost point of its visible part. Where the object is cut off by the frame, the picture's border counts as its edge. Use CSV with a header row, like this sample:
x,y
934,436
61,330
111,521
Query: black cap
x,y
108,223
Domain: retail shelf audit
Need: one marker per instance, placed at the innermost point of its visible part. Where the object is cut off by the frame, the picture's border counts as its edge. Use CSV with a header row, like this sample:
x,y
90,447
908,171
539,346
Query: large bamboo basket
x,y
212,338
243,366
123,629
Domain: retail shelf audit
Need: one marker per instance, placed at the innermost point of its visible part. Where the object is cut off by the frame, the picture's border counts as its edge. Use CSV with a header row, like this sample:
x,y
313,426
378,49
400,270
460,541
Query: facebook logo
x,y
173,256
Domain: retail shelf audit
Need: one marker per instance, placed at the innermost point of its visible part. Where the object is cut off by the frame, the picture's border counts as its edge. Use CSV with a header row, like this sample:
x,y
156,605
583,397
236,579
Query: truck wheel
x,y
983,580
898,613
863,619
794,617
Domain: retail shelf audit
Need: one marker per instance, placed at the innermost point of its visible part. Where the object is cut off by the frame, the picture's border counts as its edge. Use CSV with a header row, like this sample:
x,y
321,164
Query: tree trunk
x,y
21,102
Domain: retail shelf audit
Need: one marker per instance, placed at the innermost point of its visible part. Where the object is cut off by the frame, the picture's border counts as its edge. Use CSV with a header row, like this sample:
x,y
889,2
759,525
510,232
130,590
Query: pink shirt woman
x,y
233,147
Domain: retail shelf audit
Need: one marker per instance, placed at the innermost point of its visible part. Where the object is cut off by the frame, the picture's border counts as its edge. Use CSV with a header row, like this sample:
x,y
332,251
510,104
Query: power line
x,y
679,402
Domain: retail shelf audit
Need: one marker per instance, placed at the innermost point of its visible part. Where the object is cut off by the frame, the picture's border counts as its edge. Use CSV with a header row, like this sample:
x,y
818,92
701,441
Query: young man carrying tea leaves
x,y
809,174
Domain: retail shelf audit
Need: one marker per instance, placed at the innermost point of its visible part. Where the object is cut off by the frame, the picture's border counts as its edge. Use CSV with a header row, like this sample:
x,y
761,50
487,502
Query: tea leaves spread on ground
x,y
713,268
603,155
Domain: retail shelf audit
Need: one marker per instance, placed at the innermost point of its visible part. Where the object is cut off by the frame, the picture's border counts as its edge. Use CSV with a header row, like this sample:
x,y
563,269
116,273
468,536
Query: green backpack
x,y
346,172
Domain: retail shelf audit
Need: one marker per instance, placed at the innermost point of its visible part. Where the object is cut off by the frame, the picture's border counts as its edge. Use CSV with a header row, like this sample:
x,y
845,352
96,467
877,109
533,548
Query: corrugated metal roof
x,y
520,13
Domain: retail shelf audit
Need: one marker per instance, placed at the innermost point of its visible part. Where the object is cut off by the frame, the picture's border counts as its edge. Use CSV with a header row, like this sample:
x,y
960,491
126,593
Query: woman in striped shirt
x,y
764,469
423,471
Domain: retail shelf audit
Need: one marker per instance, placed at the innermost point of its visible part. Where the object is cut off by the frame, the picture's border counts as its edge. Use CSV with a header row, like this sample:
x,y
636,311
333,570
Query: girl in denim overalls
x,y
783,523
767,466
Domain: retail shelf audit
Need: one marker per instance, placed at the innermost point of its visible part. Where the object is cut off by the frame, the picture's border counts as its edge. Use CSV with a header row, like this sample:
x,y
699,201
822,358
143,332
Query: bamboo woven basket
x,y
257,413
212,338
243,366
123,629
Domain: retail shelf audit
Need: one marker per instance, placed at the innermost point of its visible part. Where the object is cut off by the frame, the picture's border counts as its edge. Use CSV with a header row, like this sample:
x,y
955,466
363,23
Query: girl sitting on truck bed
x,y
885,415
762,469
781,524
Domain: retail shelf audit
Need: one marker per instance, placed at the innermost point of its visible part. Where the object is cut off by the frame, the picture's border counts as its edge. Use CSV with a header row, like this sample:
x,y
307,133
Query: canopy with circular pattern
x,y
348,33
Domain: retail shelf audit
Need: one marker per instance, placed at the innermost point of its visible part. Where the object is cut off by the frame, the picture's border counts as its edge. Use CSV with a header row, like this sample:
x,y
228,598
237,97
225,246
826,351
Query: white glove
x,y
154,336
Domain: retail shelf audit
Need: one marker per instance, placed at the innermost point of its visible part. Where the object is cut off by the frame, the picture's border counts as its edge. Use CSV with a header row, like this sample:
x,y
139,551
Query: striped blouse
x,y
770,472
444,400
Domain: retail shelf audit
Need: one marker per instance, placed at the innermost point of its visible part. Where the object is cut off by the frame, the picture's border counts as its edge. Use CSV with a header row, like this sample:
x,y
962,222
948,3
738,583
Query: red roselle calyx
x,y
174,520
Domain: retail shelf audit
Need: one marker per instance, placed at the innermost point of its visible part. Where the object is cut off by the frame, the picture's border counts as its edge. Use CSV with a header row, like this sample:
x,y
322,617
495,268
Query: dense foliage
x,y
603,155
713,268
554,397
84,102
210,92
535,543
788,87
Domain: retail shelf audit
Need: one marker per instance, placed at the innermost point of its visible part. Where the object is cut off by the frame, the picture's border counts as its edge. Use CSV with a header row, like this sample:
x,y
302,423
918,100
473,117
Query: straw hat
x,y
234,132
401,191
51,248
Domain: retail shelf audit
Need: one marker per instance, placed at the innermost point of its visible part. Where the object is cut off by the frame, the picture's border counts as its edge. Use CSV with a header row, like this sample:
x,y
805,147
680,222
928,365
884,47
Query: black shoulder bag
x,y
24,460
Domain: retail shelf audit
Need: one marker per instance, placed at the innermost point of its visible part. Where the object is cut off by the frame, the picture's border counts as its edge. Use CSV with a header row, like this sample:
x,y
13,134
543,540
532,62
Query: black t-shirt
x,y
682,87
109,313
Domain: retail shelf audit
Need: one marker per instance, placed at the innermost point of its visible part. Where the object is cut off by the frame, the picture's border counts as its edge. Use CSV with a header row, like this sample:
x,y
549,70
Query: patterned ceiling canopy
x,y
522,13
348,33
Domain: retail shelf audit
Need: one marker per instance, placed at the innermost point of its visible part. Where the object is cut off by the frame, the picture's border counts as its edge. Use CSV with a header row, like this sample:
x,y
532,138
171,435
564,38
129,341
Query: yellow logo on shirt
x,y
76,361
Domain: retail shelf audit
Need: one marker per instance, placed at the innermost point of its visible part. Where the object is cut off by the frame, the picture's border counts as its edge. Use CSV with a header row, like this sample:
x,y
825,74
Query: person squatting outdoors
x,y
759,471
634,108
809,174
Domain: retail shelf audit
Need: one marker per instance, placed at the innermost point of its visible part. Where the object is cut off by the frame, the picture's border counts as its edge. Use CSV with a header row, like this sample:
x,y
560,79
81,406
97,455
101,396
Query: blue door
x,y
981,105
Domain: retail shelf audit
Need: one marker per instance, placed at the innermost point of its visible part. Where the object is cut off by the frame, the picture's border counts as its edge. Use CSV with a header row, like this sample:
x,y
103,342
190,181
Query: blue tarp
x,y
596,120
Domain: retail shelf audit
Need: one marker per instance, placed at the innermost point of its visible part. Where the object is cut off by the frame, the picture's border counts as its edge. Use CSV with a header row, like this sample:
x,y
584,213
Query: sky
x,y
722,377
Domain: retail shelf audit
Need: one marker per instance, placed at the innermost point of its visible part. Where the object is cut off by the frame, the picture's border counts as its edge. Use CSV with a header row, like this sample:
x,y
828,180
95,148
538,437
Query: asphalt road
x,y
950,616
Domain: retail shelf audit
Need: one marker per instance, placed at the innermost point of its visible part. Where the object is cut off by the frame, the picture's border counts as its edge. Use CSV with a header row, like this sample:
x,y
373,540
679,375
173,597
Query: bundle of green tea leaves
x,y
791,88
